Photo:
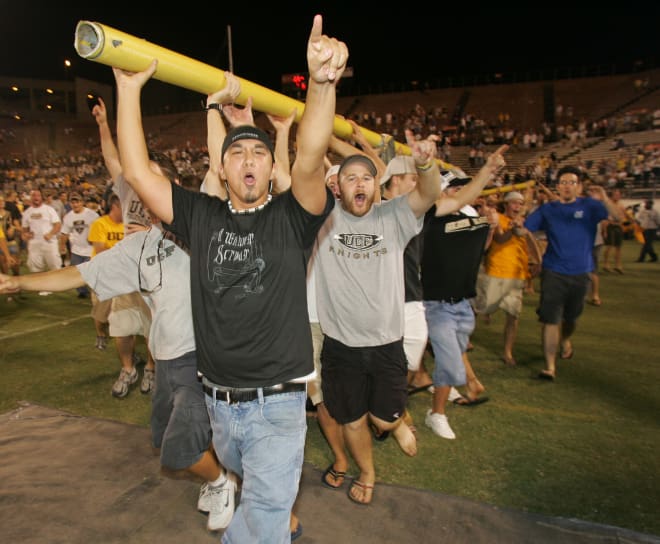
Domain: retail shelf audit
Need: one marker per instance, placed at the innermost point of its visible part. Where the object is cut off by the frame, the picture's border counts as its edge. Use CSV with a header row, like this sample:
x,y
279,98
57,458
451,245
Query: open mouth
x,y
360,199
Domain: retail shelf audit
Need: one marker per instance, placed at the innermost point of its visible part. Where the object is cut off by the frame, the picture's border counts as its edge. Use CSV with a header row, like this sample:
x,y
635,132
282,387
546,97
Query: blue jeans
x,y
450,327
263,442
79,259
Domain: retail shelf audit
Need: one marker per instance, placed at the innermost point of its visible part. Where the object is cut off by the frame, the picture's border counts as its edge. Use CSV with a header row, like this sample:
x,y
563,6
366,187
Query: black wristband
x,y
213,106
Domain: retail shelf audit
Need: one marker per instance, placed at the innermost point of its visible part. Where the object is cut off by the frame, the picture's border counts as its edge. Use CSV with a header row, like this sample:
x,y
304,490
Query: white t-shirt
x,y
76,225
40,221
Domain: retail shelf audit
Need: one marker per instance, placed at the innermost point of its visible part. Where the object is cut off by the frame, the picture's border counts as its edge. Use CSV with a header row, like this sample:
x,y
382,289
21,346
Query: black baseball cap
x,y
247,132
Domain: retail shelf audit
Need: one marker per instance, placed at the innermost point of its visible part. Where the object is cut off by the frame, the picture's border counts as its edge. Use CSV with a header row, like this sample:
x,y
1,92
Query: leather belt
x,y
234,395
452,300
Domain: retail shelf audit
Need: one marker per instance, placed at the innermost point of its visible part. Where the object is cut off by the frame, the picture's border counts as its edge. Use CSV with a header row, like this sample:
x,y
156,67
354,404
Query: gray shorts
x,y
180,424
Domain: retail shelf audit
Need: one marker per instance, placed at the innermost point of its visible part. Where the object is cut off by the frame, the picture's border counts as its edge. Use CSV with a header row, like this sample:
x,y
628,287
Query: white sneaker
x,y
453,395
125,380
148,381
218,502
439,425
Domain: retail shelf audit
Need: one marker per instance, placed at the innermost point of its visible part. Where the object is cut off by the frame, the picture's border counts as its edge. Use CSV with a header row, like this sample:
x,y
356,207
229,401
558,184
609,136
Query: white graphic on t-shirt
x,y
79,225
357,246
234,260
468,223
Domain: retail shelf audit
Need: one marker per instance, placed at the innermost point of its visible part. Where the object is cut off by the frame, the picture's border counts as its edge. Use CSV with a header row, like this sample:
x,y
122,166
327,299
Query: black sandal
x,y
378,434
335,475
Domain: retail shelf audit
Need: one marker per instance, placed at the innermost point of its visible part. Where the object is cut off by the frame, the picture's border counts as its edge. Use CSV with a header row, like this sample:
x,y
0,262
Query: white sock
x,y
220,481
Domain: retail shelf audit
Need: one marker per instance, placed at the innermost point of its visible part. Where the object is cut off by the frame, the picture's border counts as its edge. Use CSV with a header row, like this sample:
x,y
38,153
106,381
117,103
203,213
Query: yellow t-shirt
x,y
105,230
508,260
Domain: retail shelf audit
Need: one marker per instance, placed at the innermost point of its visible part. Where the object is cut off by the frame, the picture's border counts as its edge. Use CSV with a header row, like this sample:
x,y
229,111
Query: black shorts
x,y
614,235
562,297
367,379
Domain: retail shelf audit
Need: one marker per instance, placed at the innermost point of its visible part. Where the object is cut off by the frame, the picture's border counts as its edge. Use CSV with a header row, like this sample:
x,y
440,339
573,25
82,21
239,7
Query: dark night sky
x,y
396,44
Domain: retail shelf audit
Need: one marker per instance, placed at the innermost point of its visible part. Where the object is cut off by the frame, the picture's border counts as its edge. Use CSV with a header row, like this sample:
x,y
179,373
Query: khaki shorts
x,y
499,293
100,309
130,315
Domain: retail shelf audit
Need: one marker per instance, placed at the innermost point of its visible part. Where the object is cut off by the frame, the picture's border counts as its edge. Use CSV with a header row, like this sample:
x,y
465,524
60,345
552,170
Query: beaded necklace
x,y
250,210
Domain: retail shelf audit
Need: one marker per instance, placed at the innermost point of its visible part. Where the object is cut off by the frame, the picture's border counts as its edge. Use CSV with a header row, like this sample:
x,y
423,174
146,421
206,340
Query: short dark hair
x,y
112,200
247,132
570,170
166,165
191,182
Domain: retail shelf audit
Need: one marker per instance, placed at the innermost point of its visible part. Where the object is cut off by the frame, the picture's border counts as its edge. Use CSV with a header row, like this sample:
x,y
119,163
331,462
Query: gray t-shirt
x,y
132,210
359,273
115,272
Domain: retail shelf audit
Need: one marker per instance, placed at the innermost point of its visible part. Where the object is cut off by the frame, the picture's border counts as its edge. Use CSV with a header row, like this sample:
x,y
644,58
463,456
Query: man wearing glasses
x,y
153,263
570,224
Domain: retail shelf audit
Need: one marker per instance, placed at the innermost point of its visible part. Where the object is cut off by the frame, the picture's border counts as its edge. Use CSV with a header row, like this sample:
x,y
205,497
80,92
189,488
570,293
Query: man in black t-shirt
x,y
248,274
453,249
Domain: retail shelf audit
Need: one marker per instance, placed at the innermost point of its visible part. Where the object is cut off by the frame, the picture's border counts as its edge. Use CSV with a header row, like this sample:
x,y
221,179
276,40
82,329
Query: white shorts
x,y
43,256
415,336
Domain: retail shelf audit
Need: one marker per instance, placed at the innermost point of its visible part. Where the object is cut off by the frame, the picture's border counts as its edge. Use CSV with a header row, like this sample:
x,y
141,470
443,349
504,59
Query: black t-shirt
x,y
248,287
412,257
453,248
12,208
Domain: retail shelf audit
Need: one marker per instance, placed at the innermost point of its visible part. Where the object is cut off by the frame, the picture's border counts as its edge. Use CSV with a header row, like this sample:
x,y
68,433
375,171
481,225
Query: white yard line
x,y
25,332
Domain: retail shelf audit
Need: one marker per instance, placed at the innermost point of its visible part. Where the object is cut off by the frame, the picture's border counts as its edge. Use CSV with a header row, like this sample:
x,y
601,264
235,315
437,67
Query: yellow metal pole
x,y
508,188
100,43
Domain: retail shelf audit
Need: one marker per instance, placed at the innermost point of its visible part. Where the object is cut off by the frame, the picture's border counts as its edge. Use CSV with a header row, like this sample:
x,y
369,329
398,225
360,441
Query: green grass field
x,y
586,446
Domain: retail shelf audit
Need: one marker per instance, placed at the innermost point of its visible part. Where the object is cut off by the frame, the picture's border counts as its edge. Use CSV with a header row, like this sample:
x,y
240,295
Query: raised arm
x,y
598,193
155,190
550,194
326,60
216,133
368,150
427,190
469,192
108,147
282,127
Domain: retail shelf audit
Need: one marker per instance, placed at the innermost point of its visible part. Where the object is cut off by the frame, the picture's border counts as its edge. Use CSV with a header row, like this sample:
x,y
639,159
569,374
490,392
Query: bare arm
x,y
108,148
154,189
548,192
326,60
282,129
53,231
427,190
469,192
5,251
534,252
216,134
60,279
613,209
368,150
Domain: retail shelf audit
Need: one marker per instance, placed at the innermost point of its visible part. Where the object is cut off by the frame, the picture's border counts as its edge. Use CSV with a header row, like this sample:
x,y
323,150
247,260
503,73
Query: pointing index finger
x,y
317,29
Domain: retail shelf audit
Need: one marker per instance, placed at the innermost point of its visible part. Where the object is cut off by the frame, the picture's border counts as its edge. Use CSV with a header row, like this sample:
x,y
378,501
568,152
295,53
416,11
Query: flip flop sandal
x,y
335,475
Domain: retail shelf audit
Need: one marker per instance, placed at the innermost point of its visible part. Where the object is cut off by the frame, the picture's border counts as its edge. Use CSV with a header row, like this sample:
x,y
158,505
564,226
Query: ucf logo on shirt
x,y
358,246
